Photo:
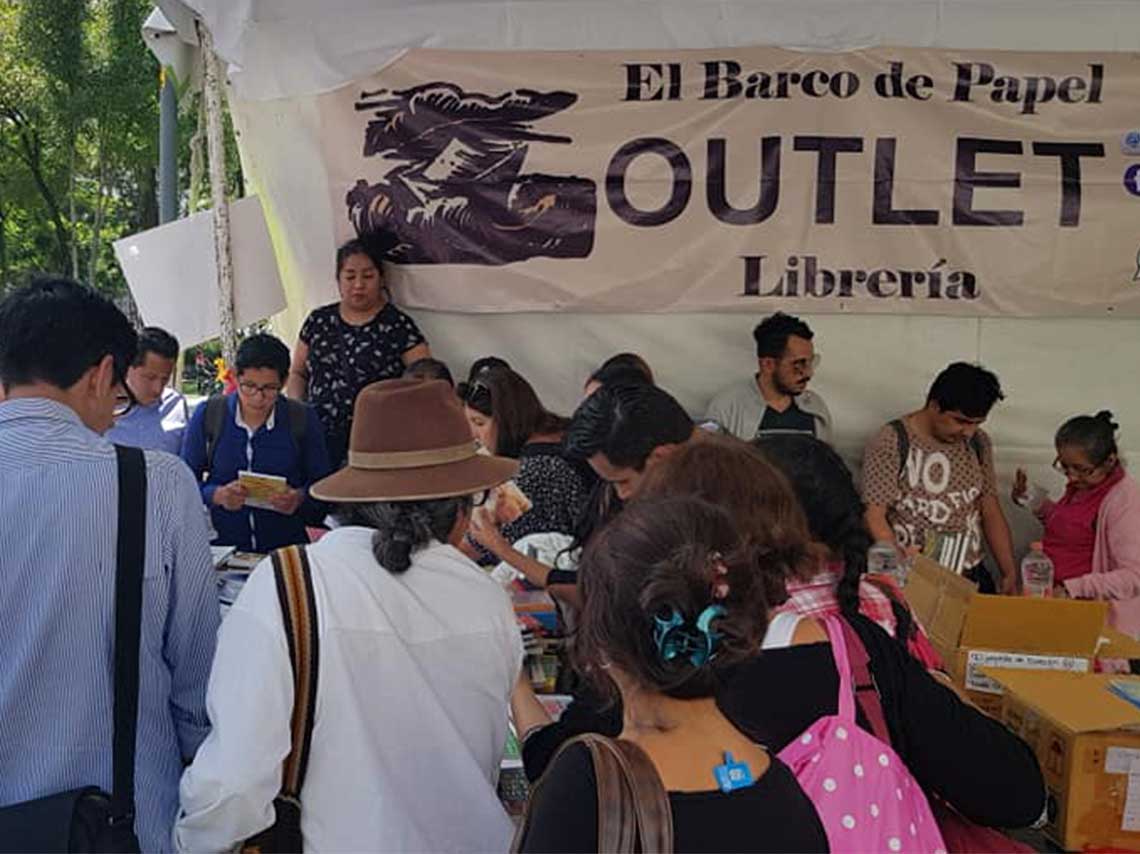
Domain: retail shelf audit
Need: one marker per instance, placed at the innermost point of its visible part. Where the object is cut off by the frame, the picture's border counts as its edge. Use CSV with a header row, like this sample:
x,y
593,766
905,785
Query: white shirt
x,y
415,677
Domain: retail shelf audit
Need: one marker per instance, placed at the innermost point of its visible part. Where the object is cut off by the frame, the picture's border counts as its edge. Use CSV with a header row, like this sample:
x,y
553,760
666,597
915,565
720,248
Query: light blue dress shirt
x,y
58,503
158,427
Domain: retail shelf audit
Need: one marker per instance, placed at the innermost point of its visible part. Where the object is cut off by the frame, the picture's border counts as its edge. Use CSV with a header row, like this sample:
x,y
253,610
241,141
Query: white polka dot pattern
x,y
850,776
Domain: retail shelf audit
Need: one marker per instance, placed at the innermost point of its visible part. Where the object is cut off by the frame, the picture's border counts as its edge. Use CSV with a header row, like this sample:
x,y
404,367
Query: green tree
x,y
79,137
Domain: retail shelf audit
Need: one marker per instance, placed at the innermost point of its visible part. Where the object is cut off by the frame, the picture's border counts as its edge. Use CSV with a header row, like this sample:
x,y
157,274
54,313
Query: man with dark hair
x,y
430,369
776,398
64,356
158,419
623,430
929,482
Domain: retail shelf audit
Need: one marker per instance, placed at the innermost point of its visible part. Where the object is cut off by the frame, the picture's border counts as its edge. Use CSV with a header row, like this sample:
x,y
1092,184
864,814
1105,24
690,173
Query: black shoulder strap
x,y
214,419
130,558
903,440
298,423
979,452
299,614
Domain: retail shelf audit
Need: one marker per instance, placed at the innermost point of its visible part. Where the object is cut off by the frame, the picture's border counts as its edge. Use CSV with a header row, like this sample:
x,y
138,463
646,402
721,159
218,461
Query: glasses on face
x,y
125,399
480,498
804,365
267,390
124,403
1075,471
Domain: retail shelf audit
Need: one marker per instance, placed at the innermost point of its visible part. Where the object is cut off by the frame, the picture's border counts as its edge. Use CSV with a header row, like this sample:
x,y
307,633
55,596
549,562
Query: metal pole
x,y
167,150
217,156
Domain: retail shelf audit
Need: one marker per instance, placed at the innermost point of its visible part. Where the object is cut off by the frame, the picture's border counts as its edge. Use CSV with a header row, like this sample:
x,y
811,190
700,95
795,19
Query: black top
x,y
344,358
774,814
557,489
971,760
791,420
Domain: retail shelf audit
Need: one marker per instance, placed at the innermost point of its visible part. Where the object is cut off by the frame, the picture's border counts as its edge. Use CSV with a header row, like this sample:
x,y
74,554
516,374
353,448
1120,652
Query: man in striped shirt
x,y
64,353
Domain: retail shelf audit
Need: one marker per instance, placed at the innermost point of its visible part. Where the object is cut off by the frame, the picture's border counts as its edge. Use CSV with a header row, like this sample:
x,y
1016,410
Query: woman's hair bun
x,y
1107,417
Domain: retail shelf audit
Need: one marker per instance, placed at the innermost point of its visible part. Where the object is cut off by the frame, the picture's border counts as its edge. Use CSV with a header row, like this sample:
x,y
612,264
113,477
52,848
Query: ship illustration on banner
x,y
457,192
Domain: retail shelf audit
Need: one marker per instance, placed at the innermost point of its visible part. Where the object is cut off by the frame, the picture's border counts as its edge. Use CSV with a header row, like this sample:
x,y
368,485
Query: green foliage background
x,y
79,139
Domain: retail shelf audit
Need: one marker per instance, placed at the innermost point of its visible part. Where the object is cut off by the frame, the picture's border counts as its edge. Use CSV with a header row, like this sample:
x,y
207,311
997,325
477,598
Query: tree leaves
x,y
78,137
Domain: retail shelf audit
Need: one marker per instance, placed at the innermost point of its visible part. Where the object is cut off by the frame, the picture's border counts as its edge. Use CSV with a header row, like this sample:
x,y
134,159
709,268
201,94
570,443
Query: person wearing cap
x,y
418,652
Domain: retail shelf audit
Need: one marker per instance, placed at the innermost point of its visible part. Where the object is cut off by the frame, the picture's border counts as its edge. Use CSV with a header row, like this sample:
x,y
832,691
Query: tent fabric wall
x,y
285,52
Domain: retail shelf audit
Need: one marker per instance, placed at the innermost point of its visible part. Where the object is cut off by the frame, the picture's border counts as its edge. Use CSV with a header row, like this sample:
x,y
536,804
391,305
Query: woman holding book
x,y
257,431
508,419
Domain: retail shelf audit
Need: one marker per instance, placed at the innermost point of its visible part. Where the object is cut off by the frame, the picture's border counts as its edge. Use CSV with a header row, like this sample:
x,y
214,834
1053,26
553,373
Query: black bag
x,y
88,819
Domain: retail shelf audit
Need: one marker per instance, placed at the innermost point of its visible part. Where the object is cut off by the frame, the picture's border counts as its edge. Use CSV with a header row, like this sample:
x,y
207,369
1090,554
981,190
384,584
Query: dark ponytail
x,y
404,527
834,509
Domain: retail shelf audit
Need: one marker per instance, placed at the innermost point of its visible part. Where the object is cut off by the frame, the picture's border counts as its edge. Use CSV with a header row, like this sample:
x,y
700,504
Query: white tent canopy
x,y
282,53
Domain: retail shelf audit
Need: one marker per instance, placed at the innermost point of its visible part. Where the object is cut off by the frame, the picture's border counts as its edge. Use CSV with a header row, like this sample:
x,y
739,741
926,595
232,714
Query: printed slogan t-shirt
x,y
934,500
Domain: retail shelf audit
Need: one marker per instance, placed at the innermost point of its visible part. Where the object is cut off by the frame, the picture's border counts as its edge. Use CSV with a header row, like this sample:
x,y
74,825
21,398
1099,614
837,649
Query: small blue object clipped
x,y
732,774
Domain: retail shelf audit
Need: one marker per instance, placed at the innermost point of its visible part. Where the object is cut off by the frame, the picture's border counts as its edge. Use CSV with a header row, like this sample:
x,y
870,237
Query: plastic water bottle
x,y
1037,573
883,559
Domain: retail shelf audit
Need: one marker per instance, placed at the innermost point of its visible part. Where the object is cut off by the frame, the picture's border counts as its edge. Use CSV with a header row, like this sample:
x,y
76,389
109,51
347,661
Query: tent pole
x,y
212,92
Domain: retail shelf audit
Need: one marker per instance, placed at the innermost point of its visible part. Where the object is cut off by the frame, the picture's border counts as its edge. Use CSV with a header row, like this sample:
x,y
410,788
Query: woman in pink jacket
x,y
1092,534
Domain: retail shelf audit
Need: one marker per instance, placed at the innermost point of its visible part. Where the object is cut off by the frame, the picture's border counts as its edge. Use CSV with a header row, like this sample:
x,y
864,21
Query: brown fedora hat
x,y
410,442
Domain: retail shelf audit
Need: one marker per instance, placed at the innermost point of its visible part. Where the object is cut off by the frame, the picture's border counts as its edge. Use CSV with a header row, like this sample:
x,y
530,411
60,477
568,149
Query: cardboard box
x,y
972,631
1088,743
1114,644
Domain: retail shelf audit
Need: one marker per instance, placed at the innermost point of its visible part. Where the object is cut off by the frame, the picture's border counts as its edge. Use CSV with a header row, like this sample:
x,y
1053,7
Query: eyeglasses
x,y
124,403
268,390
802,366
125,399
480,498
1076,471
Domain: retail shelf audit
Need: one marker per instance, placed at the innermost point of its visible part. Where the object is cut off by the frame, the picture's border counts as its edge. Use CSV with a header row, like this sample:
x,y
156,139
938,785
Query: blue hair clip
x,y
677,639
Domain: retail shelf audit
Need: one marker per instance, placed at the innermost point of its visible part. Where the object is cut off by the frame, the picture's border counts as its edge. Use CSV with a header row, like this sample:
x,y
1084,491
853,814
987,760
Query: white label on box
x,y
1131,820
1119,760
979,658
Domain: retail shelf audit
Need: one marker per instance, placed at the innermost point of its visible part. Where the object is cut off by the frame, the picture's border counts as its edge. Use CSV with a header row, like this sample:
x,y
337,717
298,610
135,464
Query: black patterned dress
x,y
344,358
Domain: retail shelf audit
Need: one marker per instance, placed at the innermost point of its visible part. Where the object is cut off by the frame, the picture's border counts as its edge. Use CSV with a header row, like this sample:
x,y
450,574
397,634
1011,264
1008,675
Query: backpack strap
x,y
299,613
298,425
213,422
979,452
866,691
903,442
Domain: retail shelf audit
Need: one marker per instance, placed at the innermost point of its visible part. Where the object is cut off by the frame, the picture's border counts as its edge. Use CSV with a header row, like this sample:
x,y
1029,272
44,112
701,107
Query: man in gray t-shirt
x,y
775,399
